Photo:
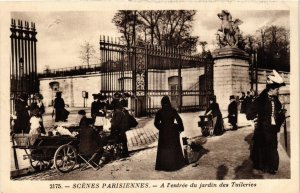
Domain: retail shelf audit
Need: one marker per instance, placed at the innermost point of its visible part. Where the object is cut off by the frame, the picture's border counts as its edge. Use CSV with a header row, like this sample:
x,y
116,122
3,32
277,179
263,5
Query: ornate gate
x,y
23,68
148,73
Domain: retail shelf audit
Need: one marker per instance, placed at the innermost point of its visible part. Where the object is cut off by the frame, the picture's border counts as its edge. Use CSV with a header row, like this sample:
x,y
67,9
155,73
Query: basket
x,y
24,139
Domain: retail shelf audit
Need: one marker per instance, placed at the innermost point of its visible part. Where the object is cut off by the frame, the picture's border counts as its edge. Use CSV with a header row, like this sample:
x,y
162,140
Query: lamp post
x,y
21,63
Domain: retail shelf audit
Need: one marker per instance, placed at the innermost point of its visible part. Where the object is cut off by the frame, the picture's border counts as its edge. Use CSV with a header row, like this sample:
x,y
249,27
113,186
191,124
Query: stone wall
x,y
72,86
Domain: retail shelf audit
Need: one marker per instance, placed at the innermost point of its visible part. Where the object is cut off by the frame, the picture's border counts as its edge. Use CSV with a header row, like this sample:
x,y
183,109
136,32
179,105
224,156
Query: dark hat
x,y
126,94
212,98
231,97
24,96
58,93
165,101
96,96
38,96
117,95
275,80
81,112
102,97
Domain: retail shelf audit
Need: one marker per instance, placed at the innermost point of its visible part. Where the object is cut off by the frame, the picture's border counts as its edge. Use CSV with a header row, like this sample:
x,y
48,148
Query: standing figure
x,y
59,106
214,110
248,100
119,126
101,112
39,105
22,121
267,112
35,122
242,102
232,113
95,106
169,152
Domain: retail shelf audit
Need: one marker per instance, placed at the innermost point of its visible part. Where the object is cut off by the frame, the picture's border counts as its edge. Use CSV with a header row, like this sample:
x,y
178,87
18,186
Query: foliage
x,y
272,46
168,28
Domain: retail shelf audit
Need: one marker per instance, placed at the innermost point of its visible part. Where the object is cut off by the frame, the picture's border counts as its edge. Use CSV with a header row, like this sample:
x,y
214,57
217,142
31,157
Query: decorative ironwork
x,y
23,68
141,71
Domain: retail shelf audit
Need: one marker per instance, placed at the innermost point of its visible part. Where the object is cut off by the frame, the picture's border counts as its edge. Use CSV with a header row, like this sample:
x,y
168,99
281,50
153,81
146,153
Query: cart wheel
x,y
40,165
65,158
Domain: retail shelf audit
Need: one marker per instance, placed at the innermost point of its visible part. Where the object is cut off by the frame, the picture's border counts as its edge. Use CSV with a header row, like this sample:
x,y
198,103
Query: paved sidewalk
x,y
227,157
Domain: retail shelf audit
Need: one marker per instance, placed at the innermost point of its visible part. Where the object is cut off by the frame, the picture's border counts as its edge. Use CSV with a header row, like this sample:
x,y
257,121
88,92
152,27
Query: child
x,y
35,123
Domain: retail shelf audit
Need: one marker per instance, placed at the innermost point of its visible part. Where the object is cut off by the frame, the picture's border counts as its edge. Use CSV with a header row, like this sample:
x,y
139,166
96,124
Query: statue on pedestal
x,y
229,32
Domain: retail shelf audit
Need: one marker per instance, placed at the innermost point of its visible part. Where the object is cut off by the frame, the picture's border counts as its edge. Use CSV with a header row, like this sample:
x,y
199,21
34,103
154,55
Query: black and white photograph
x,y
170,94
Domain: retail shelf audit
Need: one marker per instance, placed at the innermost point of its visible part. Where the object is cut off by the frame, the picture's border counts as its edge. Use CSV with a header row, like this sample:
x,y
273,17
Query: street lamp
x,y
21,63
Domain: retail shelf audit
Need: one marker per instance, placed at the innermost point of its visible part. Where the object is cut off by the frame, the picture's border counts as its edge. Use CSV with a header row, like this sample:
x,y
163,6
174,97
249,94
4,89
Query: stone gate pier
x,y
231,74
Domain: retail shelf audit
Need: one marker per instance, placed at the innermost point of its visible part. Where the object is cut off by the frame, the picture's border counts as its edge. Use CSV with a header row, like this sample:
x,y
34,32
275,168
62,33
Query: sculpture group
x,y
229,32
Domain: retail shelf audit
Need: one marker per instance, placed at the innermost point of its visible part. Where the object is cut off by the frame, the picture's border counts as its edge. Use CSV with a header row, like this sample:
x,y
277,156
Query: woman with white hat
x,y
268,114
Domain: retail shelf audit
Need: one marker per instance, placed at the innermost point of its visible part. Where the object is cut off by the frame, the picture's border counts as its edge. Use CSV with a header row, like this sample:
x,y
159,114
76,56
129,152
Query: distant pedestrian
x,y
169,152
248,100
95,106
21,107
214,110
233,113
243,103
268,114
59,106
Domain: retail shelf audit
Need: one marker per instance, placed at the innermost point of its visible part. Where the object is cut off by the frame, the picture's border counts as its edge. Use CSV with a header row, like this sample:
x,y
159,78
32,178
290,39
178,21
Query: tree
x,y
87,52
169,28
272,46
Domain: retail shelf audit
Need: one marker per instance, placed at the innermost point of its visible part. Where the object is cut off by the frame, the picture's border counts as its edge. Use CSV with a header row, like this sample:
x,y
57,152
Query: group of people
x,y
29,118
265,110
116,112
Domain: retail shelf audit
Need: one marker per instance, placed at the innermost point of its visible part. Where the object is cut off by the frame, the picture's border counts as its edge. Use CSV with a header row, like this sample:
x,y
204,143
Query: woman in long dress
x,y
169,152
214,110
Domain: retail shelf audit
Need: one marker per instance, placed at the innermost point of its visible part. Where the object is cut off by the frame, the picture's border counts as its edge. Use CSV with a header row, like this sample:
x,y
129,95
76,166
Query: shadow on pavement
x,y
245,171
221,172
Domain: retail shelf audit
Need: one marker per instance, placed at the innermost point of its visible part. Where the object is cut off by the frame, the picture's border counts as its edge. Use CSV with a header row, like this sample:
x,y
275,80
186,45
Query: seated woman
x,y
214,110
90,140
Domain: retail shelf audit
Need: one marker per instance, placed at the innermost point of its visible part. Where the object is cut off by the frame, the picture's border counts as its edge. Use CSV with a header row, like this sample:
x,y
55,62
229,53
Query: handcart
x,y
206,125
44,151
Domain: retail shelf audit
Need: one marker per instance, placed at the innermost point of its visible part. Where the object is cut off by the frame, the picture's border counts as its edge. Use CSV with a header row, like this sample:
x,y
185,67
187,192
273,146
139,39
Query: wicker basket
x,y
24,139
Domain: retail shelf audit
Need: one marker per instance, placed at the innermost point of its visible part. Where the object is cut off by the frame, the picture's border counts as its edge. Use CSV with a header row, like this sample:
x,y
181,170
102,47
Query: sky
x,y
61,34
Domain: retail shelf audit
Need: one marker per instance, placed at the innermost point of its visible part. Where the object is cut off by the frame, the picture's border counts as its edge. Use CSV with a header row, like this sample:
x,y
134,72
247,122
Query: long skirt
x,y
264,154
169,152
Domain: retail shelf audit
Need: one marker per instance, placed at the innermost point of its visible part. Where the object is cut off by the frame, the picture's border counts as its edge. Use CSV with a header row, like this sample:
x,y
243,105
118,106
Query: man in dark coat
x,y
242,102
95,106
232,113
268,114
169,152
90,140
59,106
22,121
248,100
119,126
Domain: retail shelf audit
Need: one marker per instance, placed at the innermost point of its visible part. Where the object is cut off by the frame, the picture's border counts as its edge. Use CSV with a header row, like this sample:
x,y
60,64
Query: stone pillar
x,y
231,74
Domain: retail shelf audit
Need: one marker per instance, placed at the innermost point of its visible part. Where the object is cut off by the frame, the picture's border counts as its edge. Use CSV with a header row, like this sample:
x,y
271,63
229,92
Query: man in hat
x,y
232,112
95,106
59,106
268,114
21,108
119,126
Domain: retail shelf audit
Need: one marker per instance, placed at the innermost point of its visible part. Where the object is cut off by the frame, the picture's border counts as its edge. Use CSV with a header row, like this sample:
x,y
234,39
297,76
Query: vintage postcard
x,y
138,96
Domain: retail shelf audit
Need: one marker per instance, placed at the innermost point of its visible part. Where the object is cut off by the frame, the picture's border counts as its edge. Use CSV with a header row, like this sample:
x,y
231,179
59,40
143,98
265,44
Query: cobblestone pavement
x,y
226,158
